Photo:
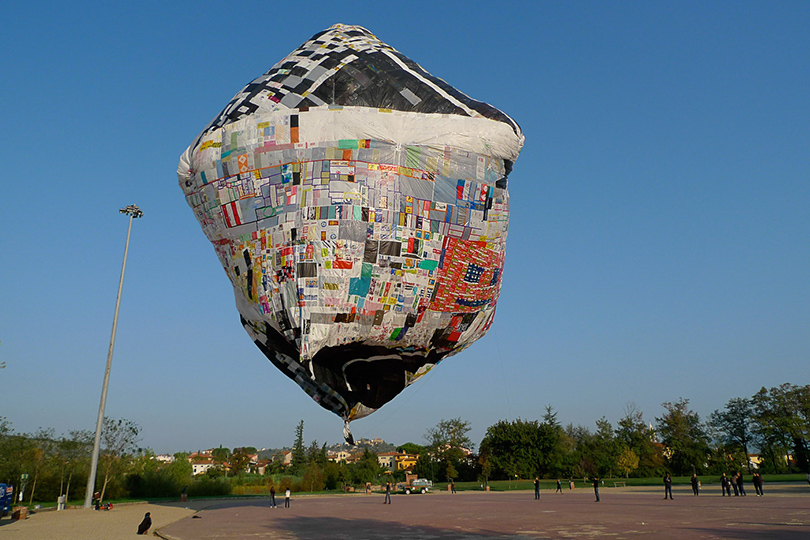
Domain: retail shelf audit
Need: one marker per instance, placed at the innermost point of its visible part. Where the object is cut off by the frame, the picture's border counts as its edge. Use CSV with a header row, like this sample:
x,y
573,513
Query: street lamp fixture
x,y
133,212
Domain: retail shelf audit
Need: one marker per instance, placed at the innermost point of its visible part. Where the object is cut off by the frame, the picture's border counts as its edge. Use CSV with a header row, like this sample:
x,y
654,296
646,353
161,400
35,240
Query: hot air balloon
x,y
359,206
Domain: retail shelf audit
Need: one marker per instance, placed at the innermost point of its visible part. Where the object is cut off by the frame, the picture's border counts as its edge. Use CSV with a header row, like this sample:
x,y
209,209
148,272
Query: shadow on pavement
x,y
352,529
754,533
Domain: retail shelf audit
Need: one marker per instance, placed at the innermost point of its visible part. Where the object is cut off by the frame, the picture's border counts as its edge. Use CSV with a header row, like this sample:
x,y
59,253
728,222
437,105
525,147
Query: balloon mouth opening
x,y
368,374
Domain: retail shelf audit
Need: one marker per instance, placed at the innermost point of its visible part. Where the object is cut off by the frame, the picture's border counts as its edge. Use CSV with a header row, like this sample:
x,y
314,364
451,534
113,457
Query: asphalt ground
x,y
784,513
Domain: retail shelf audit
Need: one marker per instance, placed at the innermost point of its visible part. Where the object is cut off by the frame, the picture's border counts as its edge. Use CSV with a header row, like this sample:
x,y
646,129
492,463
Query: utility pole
x,y
133,212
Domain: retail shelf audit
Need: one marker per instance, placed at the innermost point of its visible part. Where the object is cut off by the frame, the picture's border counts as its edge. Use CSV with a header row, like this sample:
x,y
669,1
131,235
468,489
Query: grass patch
x,y
579,483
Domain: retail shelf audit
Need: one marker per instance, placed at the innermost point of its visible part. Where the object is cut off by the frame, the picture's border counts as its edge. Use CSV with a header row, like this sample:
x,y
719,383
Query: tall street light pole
x,y
133,212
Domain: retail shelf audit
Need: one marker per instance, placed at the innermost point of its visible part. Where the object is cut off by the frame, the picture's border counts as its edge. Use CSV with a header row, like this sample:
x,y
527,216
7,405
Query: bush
x,y
209,487
153,484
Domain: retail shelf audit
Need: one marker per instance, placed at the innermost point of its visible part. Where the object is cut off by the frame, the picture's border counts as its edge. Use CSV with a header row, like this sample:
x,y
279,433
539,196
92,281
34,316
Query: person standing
x,y
272,496
732,481
452,486
724,485
596,487
559,486
387,493
740,486
287,498
757,480
536,488
143,528
667,486
695,484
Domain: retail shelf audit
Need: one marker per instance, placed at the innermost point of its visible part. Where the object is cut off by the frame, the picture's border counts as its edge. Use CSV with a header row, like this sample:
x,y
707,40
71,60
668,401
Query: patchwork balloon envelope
x,y
359,206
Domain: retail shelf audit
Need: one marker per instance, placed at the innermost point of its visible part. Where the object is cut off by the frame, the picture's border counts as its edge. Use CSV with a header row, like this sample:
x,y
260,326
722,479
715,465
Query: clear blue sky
x,y
659,244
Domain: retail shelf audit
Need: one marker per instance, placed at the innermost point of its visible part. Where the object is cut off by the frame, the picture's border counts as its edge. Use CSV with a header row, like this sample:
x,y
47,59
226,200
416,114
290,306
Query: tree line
x,y
774,422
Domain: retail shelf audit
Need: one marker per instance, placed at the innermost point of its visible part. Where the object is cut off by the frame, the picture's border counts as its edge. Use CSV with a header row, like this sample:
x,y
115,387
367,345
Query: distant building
x,y
260,467
371,442
340,455
165,458
389,460
201,465
406,462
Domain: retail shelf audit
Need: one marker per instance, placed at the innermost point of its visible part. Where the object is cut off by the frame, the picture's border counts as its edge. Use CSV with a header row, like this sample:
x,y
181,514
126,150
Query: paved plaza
x,y
622,513
784,513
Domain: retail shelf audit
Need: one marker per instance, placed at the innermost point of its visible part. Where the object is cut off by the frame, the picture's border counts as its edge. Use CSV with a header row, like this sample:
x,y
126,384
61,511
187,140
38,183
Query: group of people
x,y
736,483
537,487
273,497
727,483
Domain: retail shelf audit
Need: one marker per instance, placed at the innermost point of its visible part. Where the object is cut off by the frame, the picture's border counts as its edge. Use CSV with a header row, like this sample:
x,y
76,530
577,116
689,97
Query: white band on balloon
x,y
318,124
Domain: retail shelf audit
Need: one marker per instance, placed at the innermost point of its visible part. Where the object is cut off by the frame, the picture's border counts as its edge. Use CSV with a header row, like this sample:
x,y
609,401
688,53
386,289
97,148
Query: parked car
x,y
420,485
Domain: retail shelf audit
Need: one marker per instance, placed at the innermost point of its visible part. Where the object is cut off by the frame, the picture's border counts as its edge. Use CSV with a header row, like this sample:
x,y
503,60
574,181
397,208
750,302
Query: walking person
x,y
536,488
559,486
667,486
387,493
452,486
287,498
596,487
724,485
272,496
695,484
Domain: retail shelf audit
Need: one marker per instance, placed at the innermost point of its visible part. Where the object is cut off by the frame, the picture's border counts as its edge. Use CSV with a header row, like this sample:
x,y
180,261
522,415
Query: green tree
x,y
299,453
181,469
41,452
334,474
317,454
221,456
782,423
15,454
605,448
118,438
450,470
449,435
627,461
426,466
276,466
486,467
635,434
313,477
684,436
411,448
72,455
449,445
523,447
552,444
365,469
240,459
734,423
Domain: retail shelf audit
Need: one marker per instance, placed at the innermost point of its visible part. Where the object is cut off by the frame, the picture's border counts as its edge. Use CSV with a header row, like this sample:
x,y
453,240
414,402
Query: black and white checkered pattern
x,y
348,65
